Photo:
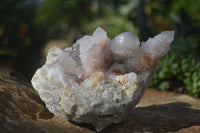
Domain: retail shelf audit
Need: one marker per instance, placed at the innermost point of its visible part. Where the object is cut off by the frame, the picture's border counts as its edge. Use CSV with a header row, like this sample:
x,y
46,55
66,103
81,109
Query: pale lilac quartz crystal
x,y
98,80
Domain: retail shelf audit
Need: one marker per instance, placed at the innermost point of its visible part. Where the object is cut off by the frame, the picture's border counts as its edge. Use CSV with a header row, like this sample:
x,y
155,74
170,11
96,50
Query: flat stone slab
x,y
21,110
160,111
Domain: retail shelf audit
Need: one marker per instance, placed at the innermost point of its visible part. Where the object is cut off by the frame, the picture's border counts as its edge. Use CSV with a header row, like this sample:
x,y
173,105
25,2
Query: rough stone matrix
x,y
98,80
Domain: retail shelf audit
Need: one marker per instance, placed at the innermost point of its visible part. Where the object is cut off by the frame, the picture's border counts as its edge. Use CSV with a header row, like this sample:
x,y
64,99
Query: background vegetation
x,y
27,25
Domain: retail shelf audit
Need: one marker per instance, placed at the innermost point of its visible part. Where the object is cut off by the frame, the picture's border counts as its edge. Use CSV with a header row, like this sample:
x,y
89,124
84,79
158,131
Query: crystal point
x,y
98,80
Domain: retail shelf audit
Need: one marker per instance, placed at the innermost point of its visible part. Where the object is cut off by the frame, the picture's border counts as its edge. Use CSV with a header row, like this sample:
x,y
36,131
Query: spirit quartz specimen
x,y
98,81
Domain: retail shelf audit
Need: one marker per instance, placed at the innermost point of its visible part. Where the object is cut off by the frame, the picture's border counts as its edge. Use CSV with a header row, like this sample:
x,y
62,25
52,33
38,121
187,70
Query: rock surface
x,y
161,112
98,80
22,111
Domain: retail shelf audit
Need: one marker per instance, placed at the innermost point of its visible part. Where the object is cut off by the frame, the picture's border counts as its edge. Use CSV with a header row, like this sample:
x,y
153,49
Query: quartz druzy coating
x,y
98,80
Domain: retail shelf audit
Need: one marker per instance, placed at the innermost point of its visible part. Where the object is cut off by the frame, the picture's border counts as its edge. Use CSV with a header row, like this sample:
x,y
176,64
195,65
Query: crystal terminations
x,y
98,80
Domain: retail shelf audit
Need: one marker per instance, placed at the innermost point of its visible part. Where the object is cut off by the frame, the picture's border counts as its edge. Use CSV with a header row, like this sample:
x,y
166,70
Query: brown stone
x,y
21,110
162,112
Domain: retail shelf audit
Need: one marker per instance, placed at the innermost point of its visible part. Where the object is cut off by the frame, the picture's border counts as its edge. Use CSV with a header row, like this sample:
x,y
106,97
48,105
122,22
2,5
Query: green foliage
x,y
191,75
63,17
191,6
7,52
27,25
179,65
72,19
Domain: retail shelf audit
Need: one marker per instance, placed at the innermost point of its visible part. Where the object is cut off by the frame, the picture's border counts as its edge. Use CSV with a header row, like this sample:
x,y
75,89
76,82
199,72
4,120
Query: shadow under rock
x,y
157,118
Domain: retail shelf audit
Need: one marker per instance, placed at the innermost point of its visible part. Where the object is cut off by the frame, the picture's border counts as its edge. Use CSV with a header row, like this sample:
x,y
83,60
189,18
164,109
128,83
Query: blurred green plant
x,y
180,66
71,19
27,25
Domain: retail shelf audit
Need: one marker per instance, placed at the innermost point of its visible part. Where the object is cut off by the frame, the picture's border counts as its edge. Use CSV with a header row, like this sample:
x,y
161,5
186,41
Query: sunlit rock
x,y
98,80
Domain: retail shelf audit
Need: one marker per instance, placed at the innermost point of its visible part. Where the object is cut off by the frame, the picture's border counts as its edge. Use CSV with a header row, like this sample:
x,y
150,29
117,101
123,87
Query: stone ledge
x,y
21,110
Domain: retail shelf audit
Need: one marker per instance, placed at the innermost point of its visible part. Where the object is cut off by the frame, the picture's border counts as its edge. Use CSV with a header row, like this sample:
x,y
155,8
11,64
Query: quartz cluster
x,y
98,80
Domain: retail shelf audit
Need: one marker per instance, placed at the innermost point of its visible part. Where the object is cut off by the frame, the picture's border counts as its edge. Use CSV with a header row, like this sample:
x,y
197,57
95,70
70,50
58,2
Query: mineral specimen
x,y
98,80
